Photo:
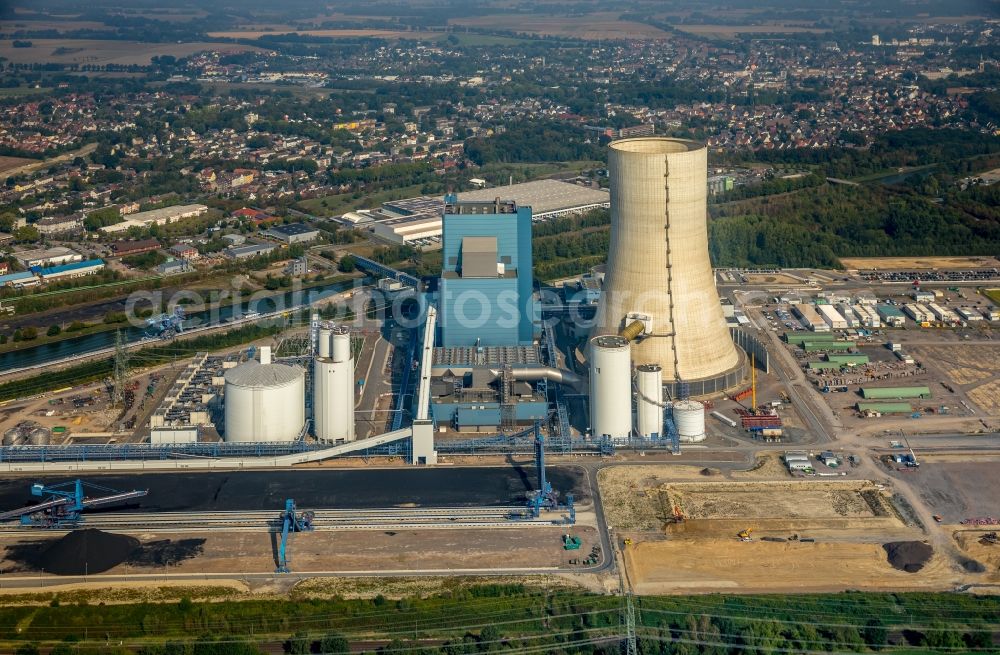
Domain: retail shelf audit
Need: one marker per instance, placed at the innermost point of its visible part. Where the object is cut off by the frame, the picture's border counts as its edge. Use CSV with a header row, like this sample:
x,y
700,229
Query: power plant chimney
x,y
659,288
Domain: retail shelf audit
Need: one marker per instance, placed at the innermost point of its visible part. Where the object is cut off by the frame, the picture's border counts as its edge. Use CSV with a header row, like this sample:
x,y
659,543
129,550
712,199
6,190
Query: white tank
x,y
689,418
649,401
340,350
323,347
610,387
264,402
333,389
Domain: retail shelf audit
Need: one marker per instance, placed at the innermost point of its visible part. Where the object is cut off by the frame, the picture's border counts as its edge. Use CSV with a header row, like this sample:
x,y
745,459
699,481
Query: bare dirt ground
x,y
768,467
988,554
959,490
726,565
632,494
771,278
917,263
7,163
92,51
973,369
374,551
592,26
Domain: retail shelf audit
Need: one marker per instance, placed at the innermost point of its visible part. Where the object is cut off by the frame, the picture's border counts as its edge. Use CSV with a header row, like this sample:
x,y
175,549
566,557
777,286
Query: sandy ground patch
x,y
987,554
770,278
687,565
917,263
365,550
784,500
768,466
7,163
632,497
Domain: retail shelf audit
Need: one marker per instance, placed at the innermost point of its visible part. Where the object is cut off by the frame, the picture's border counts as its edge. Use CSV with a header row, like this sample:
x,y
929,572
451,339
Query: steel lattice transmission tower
x,y
121,369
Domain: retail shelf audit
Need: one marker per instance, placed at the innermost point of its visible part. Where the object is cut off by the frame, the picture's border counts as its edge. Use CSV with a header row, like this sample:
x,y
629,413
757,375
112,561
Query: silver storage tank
x,y
264,402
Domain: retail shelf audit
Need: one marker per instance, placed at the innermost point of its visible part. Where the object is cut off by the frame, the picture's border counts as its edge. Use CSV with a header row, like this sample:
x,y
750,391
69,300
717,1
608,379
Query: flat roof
x,y
52,270
543,196
293,229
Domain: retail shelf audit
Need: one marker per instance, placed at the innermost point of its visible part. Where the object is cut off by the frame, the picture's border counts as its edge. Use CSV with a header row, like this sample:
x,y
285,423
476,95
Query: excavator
x,y
744,535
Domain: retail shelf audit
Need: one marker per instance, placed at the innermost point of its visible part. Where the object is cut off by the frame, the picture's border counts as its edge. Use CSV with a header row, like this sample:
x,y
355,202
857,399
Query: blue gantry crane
x,y
291,522
545,497
64,503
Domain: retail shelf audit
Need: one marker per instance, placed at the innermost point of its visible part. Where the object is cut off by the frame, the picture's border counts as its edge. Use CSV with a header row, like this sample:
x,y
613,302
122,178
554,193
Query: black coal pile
x,y
166,552
84,551
909,556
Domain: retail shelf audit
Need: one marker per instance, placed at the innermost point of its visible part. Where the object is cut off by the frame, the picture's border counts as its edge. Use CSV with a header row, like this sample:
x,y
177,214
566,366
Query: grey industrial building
x,y
293,233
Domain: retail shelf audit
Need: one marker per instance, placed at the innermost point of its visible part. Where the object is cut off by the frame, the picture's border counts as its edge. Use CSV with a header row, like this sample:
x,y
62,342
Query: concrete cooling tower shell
x,y
264,402
658,264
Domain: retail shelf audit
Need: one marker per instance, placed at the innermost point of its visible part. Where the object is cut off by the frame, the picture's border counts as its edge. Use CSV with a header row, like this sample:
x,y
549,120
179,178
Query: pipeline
x,y
632,330
534,373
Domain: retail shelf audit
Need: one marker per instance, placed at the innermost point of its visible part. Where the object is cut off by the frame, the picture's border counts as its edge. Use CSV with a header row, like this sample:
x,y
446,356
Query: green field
x,y
502,618
993,294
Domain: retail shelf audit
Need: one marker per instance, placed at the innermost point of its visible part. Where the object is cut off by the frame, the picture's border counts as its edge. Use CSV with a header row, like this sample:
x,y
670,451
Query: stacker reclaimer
x,y
291,522
64,503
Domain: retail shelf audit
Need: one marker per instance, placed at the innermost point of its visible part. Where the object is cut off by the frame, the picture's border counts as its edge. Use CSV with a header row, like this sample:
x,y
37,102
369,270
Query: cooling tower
x,y
659,288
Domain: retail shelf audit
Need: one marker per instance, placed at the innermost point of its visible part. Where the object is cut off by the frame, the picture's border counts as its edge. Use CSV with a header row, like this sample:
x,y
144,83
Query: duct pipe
x,y
535,373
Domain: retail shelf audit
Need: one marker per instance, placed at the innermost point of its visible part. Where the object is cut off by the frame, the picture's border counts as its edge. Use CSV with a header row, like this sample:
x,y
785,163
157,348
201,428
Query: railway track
x,y
325,520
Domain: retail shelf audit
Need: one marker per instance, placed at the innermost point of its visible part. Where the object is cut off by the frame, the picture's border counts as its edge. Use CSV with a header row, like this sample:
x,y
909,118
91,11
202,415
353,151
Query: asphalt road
x,y
319,489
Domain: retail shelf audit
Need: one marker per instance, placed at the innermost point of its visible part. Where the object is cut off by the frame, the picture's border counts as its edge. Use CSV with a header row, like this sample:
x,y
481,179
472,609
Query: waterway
x,y
90,343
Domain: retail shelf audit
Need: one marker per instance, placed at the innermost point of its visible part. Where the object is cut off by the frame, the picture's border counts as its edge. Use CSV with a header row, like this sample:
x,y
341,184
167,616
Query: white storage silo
x,y
323,347
649,401
689,418
610,386
333,387
264,402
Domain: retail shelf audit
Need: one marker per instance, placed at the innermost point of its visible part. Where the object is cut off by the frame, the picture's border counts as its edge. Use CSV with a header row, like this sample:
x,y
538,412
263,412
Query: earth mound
x,y
82,552
909,556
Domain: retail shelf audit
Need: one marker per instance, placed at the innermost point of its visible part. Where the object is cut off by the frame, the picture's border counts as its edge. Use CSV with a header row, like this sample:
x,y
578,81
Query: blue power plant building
x,y
486,282
487,371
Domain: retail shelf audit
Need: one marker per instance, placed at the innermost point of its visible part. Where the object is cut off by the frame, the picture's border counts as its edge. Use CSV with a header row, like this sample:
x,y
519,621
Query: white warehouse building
x,y
831,317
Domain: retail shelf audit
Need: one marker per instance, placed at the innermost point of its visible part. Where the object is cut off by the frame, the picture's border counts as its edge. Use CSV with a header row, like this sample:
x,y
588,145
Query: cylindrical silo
x,y
610,387
264,402
323,347
333,389
649,401
689,418
658,264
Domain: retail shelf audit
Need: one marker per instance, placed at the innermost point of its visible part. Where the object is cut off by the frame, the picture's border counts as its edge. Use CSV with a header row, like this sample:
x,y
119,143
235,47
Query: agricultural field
x,y
333,34
728,32
918,263
99,52
592,26
10,163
